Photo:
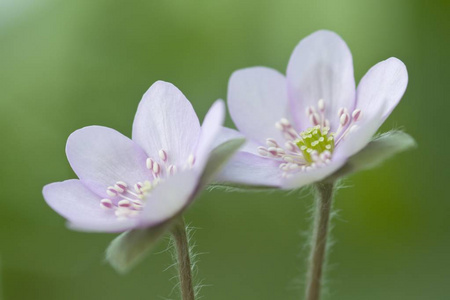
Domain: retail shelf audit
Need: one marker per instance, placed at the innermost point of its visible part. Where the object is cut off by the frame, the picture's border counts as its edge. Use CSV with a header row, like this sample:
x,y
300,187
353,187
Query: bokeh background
x,y
68,64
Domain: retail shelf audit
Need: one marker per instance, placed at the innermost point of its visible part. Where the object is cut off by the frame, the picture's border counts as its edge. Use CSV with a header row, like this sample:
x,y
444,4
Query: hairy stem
x,y
184,261
322,210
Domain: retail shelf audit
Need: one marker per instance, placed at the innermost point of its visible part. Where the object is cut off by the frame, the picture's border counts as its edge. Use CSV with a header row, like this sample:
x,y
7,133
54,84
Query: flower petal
x,y
217,159
378,93
101,156
166,120
81,207
377,151
227,134
257,99
321,67
211,127
304,178
383,85
249,169
170,198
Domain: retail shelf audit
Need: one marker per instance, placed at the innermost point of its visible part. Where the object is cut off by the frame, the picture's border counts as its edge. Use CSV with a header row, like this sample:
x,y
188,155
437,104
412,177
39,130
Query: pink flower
x,y
308,125
148,180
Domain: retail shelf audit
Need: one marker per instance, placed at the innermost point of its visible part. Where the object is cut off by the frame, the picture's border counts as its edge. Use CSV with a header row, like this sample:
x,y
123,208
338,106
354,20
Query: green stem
x,y
184,261
317,256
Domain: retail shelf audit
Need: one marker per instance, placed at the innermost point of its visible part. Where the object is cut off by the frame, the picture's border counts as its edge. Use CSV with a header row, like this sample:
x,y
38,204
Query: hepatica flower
x,y
312,123
140,185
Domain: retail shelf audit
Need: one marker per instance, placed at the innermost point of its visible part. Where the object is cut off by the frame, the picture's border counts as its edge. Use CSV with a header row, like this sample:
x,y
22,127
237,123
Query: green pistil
x,y
315,139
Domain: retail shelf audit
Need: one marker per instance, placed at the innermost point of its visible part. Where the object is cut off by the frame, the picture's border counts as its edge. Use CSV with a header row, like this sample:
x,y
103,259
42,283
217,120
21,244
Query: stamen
x,y
106,204
321,105
156,168
172,169
111,191
163,155
191,160
271,143
124,203
149,163
344,119
356,115
262,151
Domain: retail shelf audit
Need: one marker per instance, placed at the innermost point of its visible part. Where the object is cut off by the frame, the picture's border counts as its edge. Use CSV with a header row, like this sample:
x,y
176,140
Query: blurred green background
x,y
68,64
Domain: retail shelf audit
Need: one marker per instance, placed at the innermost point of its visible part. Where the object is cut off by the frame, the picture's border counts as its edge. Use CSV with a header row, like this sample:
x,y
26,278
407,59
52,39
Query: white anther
x,y
123,212
280,151
353,128
137,187
288,159
279,126
341,111
290,146
137,206
321,105
121,185
285,122
273,150
310,110
149,163
344,119
294,166
262,151
119,188
271,143
314,119
111,191
172,169
124,203
156,168
162,155
356,115
191,160
327,124
106,204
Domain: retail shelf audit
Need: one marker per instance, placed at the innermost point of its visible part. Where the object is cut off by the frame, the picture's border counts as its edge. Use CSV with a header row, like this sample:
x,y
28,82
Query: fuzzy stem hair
x,y
184,261
317,257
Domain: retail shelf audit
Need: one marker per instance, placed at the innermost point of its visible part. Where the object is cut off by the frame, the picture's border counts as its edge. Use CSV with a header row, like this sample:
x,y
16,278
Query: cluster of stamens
x,y
312,147
127,202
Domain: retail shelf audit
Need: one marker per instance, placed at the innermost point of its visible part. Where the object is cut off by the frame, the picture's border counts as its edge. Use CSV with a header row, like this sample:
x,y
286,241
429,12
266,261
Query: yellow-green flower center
x,y
314,141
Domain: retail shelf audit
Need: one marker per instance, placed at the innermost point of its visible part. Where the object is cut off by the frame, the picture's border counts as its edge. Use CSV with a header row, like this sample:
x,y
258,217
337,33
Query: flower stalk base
x,y
322,211
184,262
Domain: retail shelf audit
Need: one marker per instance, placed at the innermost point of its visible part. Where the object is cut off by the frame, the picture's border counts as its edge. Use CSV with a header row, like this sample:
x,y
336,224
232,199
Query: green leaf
x,y
377,151
129,248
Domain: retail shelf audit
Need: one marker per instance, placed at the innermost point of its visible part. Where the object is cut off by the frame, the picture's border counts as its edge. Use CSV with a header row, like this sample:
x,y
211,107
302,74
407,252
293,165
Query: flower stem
x,y
184,261
322,210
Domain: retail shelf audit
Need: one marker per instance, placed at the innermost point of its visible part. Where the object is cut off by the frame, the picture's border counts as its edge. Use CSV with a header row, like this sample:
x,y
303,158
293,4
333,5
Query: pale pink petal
x,y
166,120
304,178
101,156
257,99
249,169
170,197
81,207
227,134
383,85
379,91
321,67
211,127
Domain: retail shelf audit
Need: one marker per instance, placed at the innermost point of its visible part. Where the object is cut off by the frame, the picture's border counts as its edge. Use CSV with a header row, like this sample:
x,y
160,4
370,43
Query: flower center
x,y
315,141
313,147
128,202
